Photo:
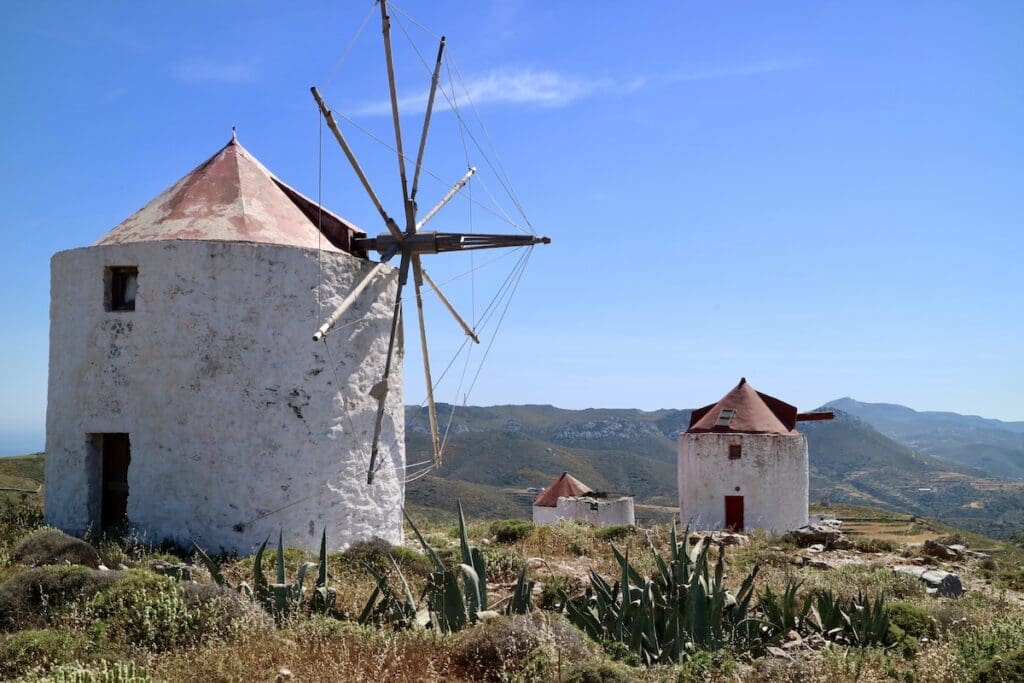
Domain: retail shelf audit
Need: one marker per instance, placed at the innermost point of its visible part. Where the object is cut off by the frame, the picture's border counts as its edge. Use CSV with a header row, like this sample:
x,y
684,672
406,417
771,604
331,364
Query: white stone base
x,y
237,426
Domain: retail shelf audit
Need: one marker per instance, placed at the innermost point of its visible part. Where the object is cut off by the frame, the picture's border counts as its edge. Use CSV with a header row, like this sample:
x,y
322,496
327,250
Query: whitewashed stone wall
x,y
236,424
597,511
771,475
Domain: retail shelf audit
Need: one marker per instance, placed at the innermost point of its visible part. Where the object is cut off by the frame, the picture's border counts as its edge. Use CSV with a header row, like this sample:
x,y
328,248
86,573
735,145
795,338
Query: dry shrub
x,y
53,547
340,651
33,597
504,645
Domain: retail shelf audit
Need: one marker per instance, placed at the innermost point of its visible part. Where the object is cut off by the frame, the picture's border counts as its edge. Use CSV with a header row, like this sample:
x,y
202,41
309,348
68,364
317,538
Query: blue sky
x,y
823,197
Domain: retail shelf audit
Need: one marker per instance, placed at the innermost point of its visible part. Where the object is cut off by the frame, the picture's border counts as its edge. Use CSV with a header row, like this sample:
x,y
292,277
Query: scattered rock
x,y
940,584
816,548
940,551
53,547
842,543
720,537
825,534
778,652
180,571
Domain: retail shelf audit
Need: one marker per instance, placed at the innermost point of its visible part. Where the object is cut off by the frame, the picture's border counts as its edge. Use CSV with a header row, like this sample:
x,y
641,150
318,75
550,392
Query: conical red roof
x,y
565,485
232,197
753,413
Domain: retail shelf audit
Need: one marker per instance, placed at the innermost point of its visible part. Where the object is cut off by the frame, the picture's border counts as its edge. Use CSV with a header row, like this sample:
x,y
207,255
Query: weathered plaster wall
x,y
236,423
771,475
608,512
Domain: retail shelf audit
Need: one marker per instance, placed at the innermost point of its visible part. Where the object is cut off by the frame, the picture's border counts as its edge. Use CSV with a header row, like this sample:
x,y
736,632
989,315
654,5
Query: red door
x,y
116,457
734,513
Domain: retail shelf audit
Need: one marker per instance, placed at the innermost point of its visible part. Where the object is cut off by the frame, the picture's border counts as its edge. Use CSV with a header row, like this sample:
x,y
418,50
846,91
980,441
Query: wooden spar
x,y
811,417
451,309
448,197
333,125
426,121
379,390
346,304
417,279
410,217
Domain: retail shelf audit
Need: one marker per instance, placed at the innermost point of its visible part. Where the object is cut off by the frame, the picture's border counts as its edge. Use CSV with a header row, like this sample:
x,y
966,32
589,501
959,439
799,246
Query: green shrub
x,y
707,666
510,530
157,613
552,589
913,618
613,533
979,645
1008,667
17,518
503,564
54,547
26,650
907,644
33,597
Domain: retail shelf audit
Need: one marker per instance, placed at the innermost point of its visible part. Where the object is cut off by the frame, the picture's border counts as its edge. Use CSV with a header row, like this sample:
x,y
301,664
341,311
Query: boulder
x,y
940,551
939,583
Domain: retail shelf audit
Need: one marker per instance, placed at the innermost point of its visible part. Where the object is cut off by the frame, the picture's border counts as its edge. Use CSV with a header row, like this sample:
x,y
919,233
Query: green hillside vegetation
x,y
22,472
852,462
504,449
61,622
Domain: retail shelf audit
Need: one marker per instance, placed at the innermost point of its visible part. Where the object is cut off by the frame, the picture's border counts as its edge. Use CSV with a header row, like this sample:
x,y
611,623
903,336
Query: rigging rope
x,y
501,216
351,44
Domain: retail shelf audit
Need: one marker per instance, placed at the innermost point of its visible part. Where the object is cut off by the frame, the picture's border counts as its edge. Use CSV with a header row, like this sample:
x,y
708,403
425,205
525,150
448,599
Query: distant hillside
x,y
993,446
525,446
494,453
851,462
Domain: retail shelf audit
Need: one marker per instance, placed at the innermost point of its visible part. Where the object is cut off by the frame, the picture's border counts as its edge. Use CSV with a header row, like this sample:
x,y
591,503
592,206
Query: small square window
x,y
725,417
122,283
735,451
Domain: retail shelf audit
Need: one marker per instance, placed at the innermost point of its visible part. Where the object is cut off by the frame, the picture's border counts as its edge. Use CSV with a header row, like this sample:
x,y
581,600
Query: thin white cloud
x,y
508,86
204,70
551,89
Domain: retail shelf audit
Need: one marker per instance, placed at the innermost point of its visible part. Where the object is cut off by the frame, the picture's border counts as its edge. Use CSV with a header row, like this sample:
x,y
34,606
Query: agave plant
x,y
685,607
450,606
784,613
279,598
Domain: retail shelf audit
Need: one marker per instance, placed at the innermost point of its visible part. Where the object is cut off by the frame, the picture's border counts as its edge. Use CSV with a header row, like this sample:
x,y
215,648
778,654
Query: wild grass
x,y
69,623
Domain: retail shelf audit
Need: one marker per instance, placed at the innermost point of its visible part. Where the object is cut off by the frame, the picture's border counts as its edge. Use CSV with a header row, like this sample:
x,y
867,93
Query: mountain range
x,y
494,453
992,446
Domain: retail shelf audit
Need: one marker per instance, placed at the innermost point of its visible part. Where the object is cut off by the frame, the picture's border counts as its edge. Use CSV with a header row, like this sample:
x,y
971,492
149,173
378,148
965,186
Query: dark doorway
x,y
734,513
114,487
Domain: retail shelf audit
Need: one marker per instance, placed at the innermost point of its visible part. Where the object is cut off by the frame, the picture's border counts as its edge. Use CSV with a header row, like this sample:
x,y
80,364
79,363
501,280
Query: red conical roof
x,y
753,413
232,197
565,485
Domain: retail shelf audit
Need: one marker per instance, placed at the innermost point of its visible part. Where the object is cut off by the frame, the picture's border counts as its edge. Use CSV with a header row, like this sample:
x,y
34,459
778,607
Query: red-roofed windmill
x,y
411,243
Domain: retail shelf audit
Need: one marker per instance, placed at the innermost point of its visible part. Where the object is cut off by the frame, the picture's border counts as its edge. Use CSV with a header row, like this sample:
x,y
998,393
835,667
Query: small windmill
x,y
409,244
